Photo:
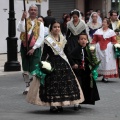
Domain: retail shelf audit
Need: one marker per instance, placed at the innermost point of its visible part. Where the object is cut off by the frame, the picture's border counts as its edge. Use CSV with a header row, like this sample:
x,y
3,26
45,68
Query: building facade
x,y
18,6
58,7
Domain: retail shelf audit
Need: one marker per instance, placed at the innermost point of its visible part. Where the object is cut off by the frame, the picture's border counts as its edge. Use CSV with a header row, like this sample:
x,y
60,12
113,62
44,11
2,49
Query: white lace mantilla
x,y
76,30
90,25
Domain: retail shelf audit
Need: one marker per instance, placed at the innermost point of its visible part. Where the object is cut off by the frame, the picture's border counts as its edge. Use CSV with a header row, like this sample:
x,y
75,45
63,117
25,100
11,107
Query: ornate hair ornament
x,y
76,11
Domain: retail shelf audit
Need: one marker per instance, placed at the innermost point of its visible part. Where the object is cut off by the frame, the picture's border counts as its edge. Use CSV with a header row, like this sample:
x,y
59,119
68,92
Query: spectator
x,y
49,19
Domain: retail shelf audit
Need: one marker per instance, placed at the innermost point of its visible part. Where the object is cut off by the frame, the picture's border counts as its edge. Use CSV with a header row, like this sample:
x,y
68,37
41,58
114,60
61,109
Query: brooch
x,y
54,44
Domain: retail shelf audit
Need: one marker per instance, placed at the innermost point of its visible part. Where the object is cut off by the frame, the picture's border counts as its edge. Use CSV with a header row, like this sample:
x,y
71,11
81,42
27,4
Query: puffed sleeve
x,y
95,40
113,40
40,39
21,26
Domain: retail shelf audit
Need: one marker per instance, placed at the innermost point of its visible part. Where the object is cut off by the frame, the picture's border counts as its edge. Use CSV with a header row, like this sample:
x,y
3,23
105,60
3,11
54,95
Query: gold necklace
x,y
57,40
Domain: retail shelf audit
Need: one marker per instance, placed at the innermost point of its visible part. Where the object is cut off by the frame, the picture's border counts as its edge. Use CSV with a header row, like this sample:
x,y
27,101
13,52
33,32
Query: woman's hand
x,y
75,66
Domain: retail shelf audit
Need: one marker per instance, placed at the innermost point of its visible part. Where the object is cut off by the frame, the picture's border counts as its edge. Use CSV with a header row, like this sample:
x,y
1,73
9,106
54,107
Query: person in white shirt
x,y
30,48
115,22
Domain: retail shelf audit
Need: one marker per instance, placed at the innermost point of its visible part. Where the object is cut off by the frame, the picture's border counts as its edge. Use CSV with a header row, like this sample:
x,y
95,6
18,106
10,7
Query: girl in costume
x,y
86,64
105,38
93,24
61,87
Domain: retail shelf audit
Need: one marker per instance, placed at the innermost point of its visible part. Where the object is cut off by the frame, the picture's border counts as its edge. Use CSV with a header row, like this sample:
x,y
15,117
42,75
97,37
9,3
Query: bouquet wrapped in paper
x,y
42,69
93,61
117,50
46,67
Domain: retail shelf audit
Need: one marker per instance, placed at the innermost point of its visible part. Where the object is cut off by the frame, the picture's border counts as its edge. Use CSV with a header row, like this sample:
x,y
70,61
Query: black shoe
x,y
54,109
25,92
105,80
76,107
60,109
80,106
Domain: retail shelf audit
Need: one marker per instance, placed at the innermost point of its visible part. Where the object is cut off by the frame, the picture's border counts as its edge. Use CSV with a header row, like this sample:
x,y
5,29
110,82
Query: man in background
x,y
49,19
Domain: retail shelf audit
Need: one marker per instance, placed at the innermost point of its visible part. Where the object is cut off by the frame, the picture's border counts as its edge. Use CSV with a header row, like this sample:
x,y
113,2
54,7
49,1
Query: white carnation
x,y
92,47
46,65
117,45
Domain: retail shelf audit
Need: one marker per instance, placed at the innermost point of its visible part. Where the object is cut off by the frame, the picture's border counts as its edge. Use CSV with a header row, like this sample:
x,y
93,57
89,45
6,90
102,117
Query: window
x,y
115,4
39,9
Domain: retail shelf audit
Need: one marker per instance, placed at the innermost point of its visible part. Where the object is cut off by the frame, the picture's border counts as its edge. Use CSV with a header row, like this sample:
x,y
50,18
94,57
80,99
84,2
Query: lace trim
x,y
61,44
97,26
76,29
108,73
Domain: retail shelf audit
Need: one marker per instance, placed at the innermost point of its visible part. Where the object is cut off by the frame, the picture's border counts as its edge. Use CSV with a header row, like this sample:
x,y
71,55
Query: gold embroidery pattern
x,y
36,29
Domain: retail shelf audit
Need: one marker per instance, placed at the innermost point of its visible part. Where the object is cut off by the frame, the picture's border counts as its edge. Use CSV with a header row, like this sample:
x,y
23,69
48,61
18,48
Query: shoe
x,y
26,91
77,107
60,108
80,106
105,80
54,109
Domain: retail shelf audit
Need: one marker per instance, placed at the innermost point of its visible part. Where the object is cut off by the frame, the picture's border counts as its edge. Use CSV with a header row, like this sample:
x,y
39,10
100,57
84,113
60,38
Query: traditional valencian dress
x,y
104,41
93,28
83,73
61,86
36,28
73,33
35,39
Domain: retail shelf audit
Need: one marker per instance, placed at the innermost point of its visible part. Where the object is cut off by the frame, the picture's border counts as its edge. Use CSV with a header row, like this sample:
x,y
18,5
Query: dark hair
x,y
49,12
65,20
108,20
41,17
67,16
113,11
98,10
51,25
64,14
83,33
75,13
86,19
82,14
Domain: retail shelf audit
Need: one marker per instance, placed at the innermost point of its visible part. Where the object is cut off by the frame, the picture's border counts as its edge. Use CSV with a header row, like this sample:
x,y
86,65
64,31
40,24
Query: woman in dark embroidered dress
x,y
61,87
75,26
83,71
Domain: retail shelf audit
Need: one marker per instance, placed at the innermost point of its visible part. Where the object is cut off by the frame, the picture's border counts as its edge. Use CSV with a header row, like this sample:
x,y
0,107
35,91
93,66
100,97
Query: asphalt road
x,y
13,105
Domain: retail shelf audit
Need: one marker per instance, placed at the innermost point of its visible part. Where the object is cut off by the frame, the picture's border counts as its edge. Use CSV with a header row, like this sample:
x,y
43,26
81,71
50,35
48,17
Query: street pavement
x,y
13,105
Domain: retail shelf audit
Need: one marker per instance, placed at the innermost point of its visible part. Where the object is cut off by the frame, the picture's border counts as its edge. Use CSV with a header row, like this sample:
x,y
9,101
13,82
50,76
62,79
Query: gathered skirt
x,y
108,66
61,86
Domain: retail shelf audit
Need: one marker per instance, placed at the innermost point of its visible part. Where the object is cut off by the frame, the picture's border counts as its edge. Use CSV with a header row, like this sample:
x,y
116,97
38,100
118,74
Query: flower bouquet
x,y
42,69
92,57
46,67
117,50
92,47
93,63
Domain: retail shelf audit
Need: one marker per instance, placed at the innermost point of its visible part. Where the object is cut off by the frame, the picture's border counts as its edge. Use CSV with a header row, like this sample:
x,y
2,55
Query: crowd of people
x,y
78,49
